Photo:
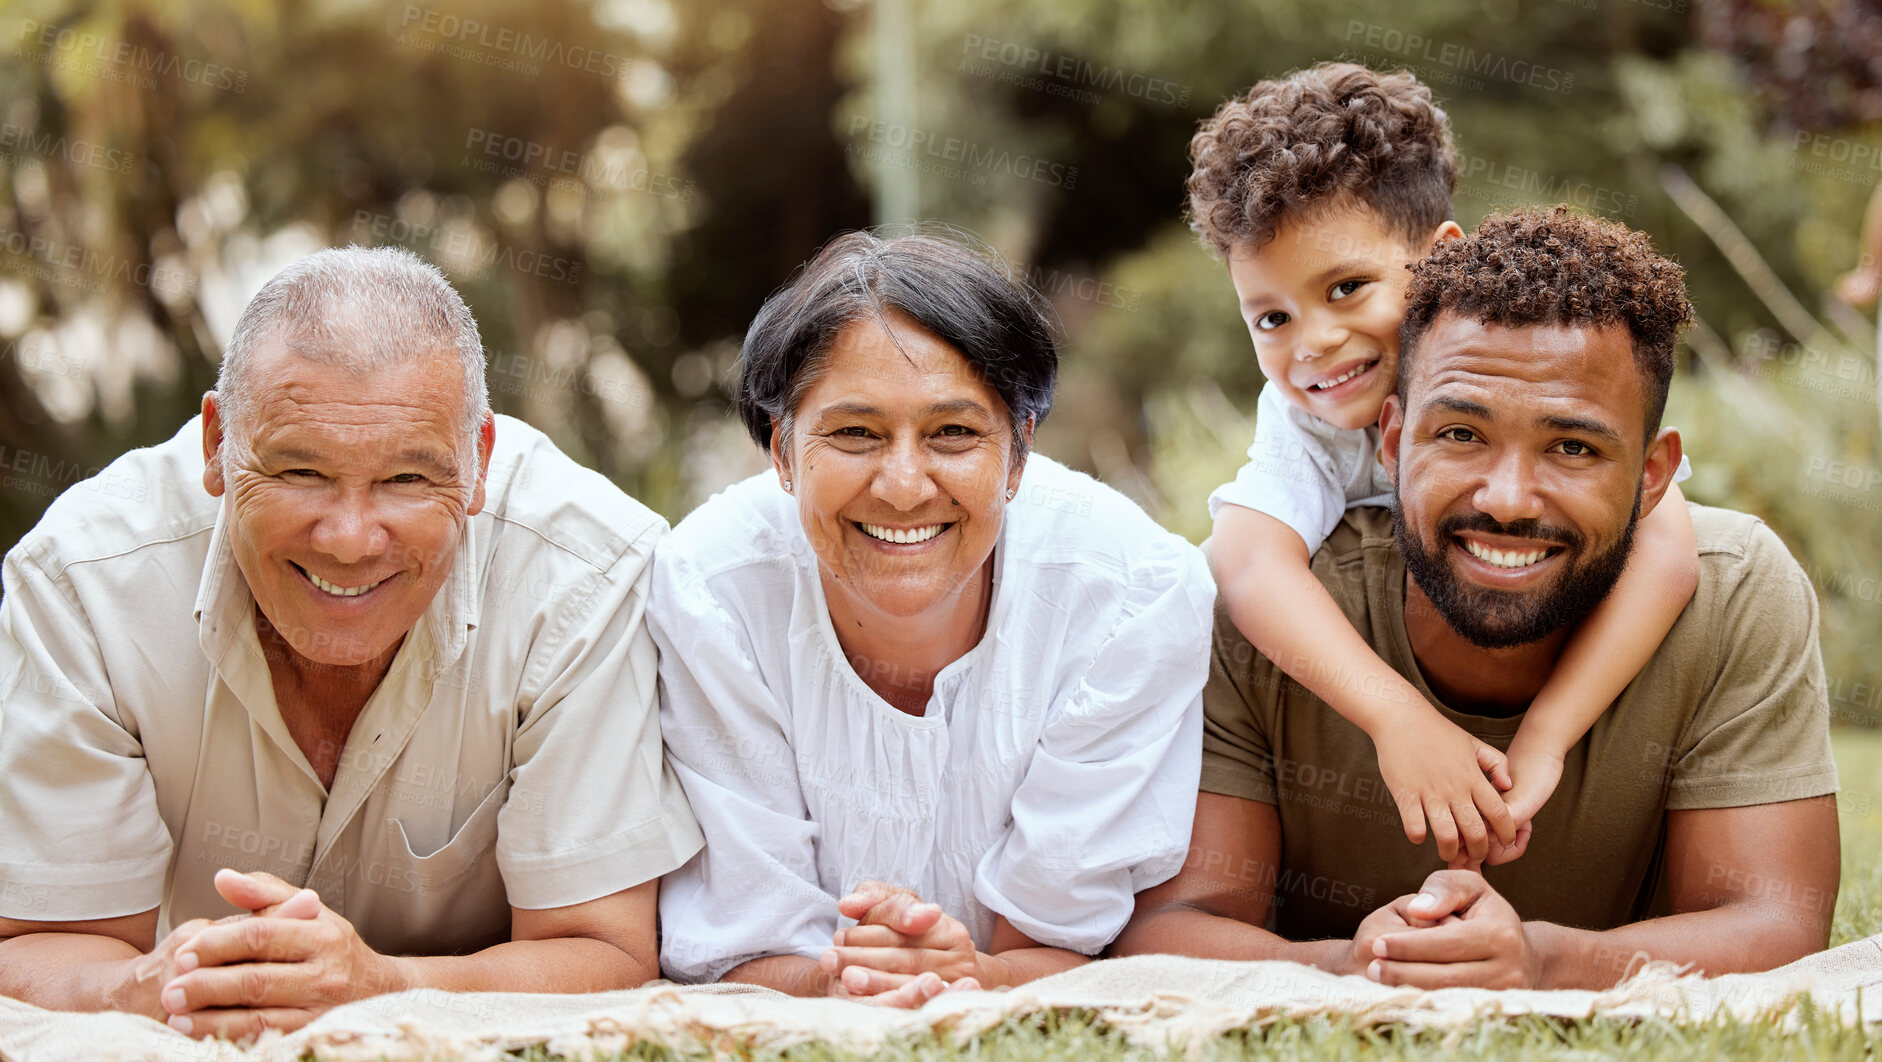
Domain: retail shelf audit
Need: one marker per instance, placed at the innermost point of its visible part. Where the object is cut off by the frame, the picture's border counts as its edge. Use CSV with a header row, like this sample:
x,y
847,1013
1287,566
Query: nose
x,y
1319,333
1510,490
903,479
349,529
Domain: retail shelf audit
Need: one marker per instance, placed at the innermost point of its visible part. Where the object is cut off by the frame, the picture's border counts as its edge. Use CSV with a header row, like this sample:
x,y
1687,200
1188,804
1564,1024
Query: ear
x,y
212,446
778,459
486,444
1656,474
1391,426
1444,233
1017,468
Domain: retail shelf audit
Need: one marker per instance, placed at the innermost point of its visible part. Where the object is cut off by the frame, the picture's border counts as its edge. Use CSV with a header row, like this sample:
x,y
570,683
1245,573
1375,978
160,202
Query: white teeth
x,y
1343,377
340,591
892,534
1504,558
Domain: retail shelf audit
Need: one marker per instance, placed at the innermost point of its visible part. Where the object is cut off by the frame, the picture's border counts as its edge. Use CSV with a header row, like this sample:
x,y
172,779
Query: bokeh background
x,y
615,185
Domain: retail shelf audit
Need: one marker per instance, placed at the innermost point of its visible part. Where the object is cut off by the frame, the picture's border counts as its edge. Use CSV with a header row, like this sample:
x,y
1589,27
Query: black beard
x,y
1503,619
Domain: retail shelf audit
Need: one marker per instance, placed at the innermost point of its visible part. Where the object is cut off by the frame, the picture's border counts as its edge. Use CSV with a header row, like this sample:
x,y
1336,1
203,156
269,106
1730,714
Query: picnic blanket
x,y
1156,1001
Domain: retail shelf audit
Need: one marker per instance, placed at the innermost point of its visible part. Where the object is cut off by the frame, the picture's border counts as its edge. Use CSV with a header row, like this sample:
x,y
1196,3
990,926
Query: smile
x,y
326,587
1355,371
903,535
1505,558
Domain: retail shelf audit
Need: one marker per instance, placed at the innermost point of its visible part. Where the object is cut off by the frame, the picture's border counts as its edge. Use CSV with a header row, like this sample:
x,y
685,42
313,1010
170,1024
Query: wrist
x,y
395,973
992,971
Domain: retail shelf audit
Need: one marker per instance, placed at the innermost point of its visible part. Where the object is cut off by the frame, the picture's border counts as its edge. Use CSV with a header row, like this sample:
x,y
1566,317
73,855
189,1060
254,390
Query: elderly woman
x,y
937,704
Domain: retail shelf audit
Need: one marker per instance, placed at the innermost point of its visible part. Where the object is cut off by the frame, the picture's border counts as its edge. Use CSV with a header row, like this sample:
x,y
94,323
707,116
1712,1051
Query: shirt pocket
x,y
471,847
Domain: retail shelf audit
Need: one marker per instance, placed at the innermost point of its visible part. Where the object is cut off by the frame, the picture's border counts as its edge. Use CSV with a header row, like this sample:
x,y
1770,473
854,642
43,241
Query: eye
x,y
1344,288
1270,321
957,430
300,473
1458,434
1575,448
408,477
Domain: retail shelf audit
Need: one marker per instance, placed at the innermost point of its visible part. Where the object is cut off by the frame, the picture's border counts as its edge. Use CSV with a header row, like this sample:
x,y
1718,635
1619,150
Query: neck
x,y
1469,678
898,656
295,671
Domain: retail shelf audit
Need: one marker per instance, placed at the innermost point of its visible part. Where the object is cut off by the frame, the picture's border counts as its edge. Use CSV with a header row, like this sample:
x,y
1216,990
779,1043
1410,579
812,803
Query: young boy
x,y
1320,189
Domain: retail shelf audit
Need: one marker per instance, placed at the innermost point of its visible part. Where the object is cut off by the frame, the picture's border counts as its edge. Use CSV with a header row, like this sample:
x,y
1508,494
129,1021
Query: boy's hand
x,y
1445,784
1858,286
1536,773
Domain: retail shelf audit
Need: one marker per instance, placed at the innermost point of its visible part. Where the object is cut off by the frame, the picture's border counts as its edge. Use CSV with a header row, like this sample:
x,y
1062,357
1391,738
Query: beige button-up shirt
x,y
511,756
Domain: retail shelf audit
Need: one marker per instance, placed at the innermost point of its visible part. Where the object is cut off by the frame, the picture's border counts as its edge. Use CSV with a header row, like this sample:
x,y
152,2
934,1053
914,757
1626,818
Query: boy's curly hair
x,y
1542,267
1333,131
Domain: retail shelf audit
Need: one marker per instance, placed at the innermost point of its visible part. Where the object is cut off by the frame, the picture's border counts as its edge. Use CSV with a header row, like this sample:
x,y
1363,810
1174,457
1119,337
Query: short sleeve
x,y
81,836
1238,702
1107,801
1761,735
593,807
1300,471
753,891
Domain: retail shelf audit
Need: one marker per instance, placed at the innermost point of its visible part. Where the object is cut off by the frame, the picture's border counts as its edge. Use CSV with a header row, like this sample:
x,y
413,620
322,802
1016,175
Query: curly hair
x,y
1332,132
1543,267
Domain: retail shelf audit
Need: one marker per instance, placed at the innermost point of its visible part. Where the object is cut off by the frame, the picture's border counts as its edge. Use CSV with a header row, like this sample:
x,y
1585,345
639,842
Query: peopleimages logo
x,y
502,40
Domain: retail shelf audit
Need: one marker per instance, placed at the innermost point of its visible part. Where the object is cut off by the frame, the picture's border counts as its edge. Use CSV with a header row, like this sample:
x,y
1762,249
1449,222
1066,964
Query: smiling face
x,y
347,501
901,460
1520,471
1323,301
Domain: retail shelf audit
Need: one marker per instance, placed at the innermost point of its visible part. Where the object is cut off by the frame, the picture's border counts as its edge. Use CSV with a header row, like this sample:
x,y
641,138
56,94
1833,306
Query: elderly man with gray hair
x,y
349,654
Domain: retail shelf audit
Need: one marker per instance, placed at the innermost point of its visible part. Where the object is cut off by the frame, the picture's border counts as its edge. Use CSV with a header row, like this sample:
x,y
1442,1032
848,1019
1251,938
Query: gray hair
x,y
362,308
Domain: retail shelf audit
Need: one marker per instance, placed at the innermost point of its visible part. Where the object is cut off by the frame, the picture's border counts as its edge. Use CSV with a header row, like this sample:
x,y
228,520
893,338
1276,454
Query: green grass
x,y
1074,1037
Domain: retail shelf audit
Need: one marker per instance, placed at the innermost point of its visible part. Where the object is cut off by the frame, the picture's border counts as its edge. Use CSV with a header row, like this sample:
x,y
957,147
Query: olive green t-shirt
x,y
1731,711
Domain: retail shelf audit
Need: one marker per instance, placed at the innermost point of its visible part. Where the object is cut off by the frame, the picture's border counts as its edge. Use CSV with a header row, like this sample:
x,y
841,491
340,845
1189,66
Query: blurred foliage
x,y
615,185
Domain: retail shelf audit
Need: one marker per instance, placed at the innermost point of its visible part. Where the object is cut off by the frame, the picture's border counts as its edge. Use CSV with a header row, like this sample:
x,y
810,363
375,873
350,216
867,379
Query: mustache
x,y
1489,525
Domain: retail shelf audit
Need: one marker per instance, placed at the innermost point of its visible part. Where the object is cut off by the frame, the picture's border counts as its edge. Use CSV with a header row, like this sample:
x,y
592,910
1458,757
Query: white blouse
x,y
1052,776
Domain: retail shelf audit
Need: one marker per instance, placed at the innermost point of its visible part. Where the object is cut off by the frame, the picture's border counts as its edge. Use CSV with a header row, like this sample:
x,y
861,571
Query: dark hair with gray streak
x,y
962,295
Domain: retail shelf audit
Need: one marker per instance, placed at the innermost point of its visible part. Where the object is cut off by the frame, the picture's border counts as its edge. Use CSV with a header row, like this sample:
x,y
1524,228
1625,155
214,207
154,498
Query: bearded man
x,y
1693,822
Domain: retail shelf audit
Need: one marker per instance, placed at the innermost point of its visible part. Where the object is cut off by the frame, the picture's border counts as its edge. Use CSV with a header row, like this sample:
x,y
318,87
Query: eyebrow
x,y
1343,267
1580,425
439,467
860,409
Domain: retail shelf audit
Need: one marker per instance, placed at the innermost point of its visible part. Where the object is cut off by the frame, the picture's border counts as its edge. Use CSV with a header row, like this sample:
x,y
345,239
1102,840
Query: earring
x,y
1011,492
787,486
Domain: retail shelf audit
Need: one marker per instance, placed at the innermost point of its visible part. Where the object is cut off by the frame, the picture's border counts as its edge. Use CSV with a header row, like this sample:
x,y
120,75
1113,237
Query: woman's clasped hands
x,y
902,951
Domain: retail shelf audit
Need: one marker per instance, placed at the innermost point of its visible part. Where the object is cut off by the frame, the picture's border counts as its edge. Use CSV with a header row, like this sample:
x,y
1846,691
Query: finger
x,y
1413,814
865,936
303,904
254,940
1495,764
963,984
904,913
1454,941
252,891
1447,892
866,895
909,961
910,994
1472,836
1443,975
863,981
244,986
1443,830
1494,810
239,1025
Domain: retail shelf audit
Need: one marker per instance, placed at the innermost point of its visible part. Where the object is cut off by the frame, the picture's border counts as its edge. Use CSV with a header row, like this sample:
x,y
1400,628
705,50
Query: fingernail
x,y
186,961
1424,900
1378,947
181,1023
828,961
1373,970
854,977
173,999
